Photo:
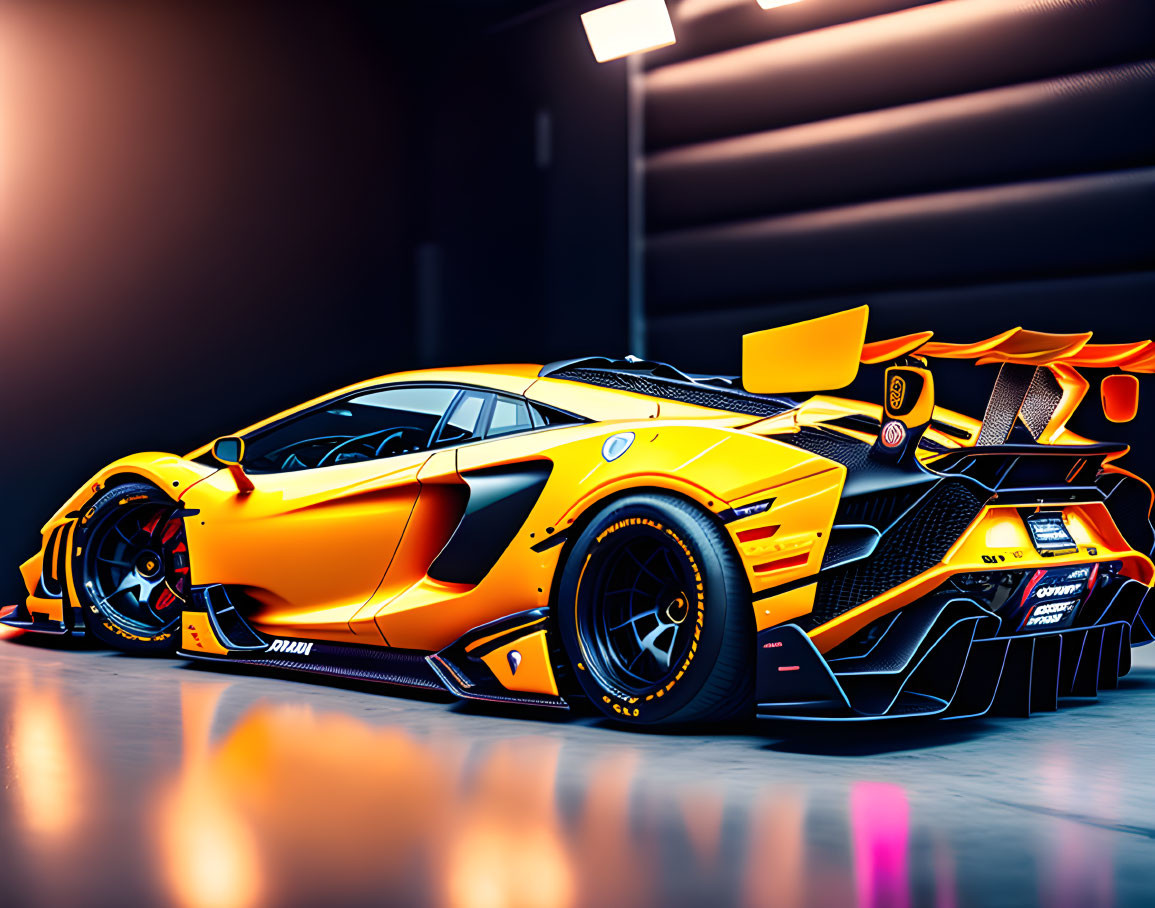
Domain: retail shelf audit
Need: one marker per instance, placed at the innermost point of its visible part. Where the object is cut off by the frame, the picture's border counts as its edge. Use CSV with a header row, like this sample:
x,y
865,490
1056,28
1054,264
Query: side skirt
x,y
212,630
405,668
505,661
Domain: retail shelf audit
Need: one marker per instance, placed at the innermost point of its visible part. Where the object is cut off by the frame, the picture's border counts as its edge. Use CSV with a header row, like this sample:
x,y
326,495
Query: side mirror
x,y
230,451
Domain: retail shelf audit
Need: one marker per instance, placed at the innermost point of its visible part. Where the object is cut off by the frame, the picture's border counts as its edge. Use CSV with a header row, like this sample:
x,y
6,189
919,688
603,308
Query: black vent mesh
x,y
841,550
831,445
685,392
879,509
845,546
915,544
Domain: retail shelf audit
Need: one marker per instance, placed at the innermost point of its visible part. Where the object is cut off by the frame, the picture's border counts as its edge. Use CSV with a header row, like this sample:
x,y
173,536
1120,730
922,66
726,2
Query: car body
x,y
809,556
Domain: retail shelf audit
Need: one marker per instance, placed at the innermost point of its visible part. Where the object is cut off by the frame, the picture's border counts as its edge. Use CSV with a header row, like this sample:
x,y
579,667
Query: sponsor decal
x,y
897,392
1049,613
291,647
1051,597
773,644
893,434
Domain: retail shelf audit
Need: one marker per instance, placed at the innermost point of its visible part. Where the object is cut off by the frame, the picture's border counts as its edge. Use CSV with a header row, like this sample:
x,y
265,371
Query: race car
x,y
669,547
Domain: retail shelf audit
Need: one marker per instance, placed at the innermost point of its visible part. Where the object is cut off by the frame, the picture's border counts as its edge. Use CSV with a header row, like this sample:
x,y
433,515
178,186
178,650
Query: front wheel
x,y
654,613
131,569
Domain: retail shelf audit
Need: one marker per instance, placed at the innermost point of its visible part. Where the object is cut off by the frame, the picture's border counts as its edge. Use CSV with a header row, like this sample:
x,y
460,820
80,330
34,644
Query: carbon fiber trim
x,y
1043,398
1007,396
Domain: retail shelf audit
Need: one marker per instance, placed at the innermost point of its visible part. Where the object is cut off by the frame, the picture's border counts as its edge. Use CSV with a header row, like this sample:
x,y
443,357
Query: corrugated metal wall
x,y
963,165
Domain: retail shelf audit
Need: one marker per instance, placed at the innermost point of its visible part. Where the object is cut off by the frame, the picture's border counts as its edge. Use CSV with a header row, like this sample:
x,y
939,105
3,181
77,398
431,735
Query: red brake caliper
x,y
174,590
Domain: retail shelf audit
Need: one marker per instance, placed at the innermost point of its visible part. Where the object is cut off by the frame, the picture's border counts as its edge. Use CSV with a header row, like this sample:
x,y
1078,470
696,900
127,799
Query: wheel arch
x,y
574,530
172,475
565,670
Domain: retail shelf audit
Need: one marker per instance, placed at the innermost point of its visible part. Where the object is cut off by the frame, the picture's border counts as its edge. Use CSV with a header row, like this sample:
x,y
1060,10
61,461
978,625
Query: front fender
x,y
168,472
47,574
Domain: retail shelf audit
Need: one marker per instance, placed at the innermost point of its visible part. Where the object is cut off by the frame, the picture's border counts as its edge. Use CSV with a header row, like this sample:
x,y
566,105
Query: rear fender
x,y
711,465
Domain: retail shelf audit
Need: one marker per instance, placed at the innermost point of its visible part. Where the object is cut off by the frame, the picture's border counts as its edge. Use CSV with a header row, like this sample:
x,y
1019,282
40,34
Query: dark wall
x,y
522,217
212,212
948,160
964,166
200,224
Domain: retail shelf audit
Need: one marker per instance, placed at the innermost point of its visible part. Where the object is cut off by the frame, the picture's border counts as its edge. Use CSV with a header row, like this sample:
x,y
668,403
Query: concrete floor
x,y
130,781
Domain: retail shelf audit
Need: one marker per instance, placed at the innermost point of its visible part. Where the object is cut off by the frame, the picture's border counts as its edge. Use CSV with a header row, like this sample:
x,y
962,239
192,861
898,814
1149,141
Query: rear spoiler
x,y
1039,373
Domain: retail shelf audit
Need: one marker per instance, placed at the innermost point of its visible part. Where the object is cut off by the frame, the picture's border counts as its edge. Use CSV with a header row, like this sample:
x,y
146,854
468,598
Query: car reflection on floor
x,y
170,786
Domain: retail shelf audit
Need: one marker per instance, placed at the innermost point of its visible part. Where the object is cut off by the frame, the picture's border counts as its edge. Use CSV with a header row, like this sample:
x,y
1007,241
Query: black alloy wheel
x,y
654,612
132,569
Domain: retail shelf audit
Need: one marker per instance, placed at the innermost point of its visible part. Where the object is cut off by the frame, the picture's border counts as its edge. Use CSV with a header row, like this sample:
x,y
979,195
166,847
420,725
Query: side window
x,y
509,415
544,416
465,419
367,426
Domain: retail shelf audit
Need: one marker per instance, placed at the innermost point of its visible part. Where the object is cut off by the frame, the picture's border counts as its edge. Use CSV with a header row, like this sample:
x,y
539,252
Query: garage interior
x,y
211,213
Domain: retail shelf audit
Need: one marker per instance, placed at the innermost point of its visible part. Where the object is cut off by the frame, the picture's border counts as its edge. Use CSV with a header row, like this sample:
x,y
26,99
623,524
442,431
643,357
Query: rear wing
x,y
1040,381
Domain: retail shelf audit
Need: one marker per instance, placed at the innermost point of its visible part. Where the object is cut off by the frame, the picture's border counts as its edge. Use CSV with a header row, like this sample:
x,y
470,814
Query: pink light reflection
x,y
880,825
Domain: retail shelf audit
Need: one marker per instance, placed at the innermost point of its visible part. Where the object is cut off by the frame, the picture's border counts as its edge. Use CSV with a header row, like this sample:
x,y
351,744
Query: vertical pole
x,y
635,212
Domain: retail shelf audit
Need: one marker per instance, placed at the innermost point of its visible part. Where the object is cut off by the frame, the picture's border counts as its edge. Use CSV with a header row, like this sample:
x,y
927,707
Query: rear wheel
x,y
654,614
131,569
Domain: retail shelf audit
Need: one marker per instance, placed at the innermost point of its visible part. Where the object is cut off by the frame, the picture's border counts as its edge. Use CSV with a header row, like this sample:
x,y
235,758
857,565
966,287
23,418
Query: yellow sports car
x,y
670,547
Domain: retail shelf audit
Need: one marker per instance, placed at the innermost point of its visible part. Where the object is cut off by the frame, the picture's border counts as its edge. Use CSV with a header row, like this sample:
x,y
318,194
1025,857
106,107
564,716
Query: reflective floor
x,y
130,781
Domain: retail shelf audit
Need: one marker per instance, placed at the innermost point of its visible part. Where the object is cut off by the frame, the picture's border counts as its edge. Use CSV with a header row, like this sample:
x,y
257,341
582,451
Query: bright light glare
x,y
43,768
770,4
628,27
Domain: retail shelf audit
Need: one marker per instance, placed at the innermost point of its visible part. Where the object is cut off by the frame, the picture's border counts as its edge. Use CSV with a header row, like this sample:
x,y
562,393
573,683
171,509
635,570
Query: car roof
x,y
512,377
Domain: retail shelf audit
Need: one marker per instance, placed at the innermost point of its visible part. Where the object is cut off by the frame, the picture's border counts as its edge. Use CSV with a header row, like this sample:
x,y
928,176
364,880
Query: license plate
x,y
1051,598
1049,534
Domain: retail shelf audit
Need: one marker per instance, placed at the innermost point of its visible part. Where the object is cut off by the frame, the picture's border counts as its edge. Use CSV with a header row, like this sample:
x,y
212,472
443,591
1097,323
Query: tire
x,y
654,613
130,569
